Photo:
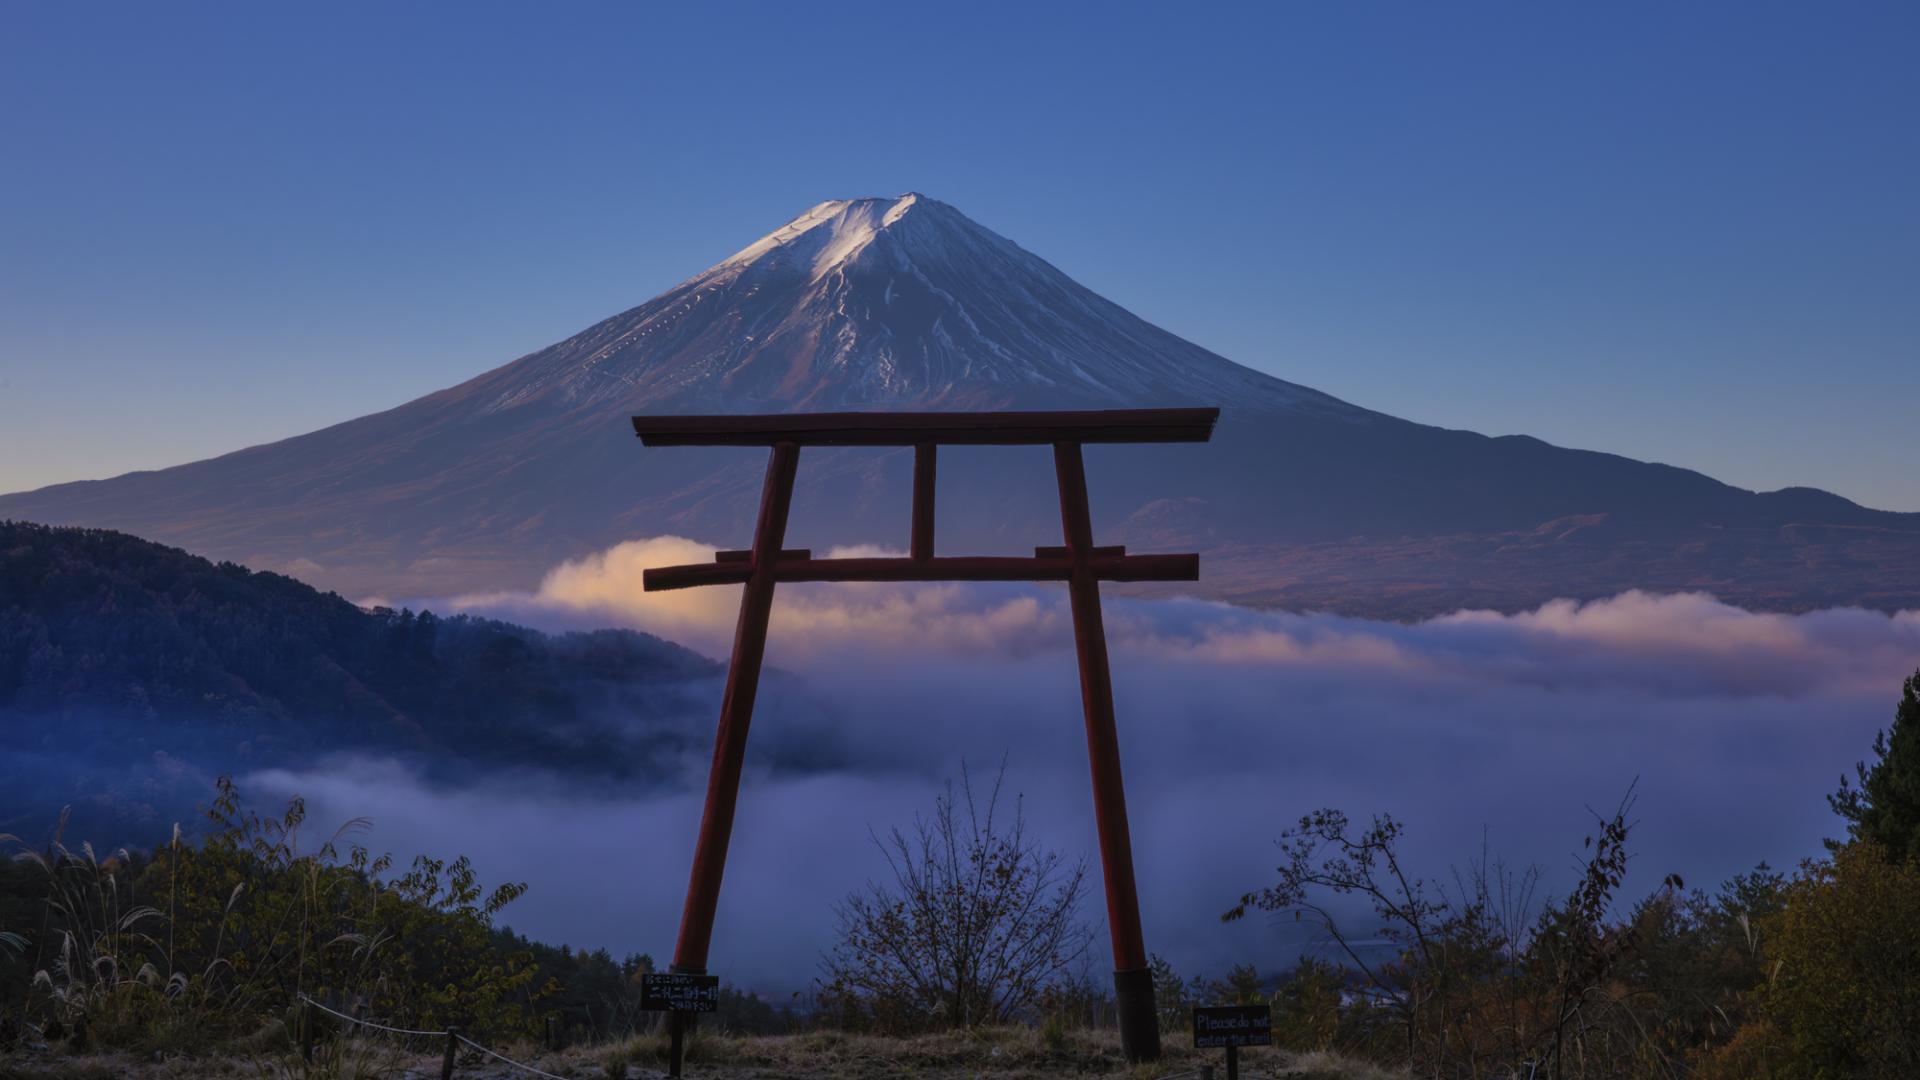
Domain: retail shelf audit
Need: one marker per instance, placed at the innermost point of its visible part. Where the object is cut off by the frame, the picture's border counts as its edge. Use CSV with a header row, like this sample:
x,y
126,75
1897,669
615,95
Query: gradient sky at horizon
x,y
1684,233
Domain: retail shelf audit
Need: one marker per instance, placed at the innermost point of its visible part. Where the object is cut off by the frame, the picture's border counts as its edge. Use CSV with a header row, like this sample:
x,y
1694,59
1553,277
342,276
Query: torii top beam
x,y
924,431
938,428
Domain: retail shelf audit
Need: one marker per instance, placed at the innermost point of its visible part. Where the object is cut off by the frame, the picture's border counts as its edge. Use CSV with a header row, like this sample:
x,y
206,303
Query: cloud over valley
x,y
1233,722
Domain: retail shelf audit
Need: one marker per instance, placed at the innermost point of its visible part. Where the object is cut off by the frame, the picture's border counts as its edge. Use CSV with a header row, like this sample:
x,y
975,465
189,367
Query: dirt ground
x,y
1012,1053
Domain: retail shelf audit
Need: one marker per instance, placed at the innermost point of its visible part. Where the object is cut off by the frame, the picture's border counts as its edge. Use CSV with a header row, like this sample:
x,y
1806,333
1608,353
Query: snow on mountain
x,y
890,303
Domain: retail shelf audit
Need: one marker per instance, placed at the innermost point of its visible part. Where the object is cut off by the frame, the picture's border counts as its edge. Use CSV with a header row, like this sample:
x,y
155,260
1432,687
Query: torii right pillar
x,y
1132,977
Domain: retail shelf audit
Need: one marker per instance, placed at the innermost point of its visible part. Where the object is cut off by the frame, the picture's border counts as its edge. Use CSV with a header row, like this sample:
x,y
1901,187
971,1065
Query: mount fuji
x,y
1302,500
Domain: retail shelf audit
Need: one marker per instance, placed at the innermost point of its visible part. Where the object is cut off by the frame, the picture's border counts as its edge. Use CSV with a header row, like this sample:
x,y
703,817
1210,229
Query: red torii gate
x,y
1079,563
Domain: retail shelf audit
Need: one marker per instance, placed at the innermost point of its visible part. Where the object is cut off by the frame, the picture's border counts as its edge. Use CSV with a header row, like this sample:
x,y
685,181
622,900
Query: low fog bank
x,y
1233,723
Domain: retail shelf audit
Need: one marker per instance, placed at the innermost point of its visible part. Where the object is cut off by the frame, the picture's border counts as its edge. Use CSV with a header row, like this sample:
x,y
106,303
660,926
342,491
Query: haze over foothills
x,y
1682,239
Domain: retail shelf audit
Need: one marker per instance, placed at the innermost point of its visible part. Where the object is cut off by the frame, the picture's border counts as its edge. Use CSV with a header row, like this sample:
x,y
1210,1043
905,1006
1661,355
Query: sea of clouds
x,y
1475,727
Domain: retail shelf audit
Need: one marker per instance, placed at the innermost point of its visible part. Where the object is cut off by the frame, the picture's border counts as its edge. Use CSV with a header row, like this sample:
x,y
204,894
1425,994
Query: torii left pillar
x,y
730,740
1081,565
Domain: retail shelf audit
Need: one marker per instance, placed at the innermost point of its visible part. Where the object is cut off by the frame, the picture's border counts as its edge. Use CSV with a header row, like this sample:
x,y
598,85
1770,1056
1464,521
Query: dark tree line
x,y
114,649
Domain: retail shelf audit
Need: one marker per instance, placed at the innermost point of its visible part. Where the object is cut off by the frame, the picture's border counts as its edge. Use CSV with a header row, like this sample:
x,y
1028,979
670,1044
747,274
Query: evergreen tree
x,y
1241,987
1885,806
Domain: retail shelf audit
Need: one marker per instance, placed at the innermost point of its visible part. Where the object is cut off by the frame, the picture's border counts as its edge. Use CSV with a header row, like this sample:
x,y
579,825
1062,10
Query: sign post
x,y
681,995
1232,1027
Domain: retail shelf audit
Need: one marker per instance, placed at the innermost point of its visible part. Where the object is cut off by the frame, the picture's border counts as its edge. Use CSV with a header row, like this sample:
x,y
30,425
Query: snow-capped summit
x,y
906,303
833,235
827,235
891,303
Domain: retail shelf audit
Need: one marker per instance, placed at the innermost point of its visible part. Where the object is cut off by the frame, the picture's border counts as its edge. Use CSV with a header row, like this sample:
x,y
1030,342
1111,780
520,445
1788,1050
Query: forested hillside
x,y
115,650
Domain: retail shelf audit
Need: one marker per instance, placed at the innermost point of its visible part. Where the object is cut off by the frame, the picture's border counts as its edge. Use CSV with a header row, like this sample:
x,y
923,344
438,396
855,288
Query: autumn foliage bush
x,y
1844,992
202,943
1772,976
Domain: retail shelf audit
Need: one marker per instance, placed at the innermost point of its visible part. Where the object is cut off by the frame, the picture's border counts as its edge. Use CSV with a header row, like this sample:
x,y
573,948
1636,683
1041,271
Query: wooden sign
x,y
1232,1025
674,992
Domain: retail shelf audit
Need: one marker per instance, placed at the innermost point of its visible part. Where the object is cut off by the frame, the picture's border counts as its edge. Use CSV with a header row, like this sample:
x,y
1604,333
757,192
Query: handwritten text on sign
x,y
673,992
1232,1025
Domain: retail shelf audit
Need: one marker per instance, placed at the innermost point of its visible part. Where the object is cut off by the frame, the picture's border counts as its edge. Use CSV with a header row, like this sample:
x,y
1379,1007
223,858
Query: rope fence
x,y
369,1023
507,1060
452,1036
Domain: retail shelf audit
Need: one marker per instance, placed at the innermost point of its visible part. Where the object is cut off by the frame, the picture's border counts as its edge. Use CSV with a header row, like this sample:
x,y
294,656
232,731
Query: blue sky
x,y
1687,233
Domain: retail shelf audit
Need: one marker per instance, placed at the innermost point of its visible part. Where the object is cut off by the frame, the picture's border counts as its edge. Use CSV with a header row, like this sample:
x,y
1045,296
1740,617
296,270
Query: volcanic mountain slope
x,y
905,303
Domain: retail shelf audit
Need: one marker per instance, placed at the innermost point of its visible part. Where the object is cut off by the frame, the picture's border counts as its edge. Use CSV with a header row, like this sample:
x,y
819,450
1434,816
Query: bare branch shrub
x,y
1472,980
976,922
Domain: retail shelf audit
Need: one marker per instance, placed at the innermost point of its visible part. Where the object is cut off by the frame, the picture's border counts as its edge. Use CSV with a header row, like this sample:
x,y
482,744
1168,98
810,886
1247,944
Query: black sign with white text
x,y
1232,1025
674,992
